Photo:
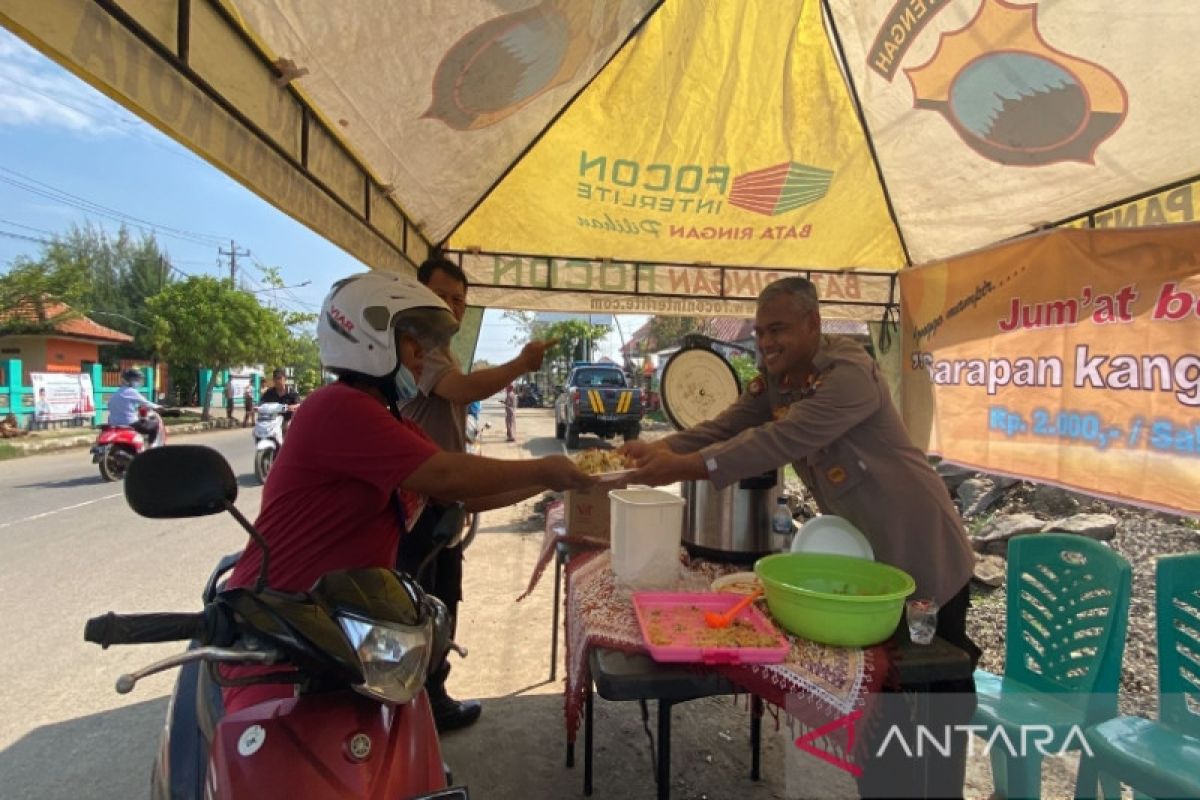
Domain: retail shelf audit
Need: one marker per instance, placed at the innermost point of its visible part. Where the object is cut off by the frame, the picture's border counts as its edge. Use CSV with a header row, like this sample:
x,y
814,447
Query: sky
x,y
69,155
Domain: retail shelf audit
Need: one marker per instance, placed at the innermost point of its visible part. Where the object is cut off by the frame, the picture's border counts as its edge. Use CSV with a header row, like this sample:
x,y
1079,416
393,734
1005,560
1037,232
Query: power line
x,y
26,238
131,125
66,198
76,249
27,227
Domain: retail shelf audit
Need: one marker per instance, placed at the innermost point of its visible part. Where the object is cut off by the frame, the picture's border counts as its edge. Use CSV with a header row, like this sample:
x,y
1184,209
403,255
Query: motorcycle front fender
x,y
266,444
180,767
302,746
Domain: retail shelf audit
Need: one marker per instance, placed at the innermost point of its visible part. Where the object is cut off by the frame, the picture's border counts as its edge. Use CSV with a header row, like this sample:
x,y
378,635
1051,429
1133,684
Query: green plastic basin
x,y
839,600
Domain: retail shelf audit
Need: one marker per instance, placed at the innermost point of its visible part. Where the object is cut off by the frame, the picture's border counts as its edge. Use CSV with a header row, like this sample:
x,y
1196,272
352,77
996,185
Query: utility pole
x,y
233,252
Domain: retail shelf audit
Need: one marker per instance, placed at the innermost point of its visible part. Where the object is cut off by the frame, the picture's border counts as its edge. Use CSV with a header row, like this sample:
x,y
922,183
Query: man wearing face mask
x,y
439,407
354,476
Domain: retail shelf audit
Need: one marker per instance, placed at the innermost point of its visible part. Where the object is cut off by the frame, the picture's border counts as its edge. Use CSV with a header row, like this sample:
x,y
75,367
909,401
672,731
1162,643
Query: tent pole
x,y
840,53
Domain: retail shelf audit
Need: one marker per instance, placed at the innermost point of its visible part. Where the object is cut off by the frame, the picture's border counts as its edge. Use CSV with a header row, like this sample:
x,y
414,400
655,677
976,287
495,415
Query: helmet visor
x,y
433,327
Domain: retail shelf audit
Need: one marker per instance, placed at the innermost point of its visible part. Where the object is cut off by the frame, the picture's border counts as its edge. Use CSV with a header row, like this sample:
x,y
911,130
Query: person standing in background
x,y
248,406
440,409
510,413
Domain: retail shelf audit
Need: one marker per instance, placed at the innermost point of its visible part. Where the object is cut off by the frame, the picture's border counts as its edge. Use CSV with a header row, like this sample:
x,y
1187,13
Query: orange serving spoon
x,y
715,620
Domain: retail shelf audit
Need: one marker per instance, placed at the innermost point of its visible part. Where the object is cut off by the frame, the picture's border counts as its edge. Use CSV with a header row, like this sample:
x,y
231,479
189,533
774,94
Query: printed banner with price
x,y
1071,357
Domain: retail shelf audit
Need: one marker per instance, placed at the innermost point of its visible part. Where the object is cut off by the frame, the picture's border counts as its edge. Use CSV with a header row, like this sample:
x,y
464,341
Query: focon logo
x,y
699,188
625,197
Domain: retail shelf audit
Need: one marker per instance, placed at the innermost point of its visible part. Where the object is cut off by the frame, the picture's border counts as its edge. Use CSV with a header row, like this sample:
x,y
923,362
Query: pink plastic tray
x,y
673,628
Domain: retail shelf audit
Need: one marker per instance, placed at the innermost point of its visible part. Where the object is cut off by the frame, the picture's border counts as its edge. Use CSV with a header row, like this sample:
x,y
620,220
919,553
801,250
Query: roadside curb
x,y
29,446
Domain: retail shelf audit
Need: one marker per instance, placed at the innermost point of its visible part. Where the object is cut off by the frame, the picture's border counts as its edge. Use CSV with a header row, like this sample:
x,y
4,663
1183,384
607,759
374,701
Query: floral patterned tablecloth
x,y
816,684
556,532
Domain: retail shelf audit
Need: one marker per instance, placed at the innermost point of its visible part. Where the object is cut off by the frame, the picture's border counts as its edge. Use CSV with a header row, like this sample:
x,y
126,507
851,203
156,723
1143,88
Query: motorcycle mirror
x,y
180,481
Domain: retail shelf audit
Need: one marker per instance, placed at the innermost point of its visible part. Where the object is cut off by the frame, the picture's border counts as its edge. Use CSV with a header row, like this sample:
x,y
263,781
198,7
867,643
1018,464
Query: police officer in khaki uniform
x,y
822,405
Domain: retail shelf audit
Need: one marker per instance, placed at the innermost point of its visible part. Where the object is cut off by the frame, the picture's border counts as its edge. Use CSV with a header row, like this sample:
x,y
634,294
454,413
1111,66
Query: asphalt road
x,y
70,548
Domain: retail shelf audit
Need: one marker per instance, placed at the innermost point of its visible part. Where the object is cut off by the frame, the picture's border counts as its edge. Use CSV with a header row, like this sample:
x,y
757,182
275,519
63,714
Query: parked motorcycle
x,y
358,647
268,437
116,445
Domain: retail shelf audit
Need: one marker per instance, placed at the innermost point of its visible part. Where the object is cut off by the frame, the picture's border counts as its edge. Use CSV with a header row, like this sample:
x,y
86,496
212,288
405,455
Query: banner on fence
x,y
61,395
1071,357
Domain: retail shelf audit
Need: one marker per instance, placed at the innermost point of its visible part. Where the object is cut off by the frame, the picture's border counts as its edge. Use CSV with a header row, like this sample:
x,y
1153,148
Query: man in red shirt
x,y
354,476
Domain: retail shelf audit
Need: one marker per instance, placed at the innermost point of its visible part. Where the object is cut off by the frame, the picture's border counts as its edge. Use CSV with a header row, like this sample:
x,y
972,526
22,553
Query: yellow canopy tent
x,y
664,156
638,155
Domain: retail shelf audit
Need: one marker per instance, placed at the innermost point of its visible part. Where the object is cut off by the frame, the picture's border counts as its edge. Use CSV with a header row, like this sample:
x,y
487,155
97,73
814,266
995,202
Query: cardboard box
x,y
588,512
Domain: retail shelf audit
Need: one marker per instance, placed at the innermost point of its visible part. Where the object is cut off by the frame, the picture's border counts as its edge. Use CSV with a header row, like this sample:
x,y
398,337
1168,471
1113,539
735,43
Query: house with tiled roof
x,y
51,337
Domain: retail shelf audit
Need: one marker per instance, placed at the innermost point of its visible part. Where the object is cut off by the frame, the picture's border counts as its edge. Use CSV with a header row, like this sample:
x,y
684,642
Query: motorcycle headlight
x,y
394,658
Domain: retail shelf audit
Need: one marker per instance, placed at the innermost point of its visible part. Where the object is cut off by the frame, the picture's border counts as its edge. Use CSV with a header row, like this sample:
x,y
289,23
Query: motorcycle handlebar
x,y
111,628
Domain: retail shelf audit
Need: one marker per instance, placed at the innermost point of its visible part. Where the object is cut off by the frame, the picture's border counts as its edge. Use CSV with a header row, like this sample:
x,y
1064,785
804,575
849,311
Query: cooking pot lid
x,y
697,385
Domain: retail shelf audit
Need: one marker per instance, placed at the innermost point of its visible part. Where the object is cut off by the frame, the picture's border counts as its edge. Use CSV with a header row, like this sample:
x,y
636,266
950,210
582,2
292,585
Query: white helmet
x,y
358,317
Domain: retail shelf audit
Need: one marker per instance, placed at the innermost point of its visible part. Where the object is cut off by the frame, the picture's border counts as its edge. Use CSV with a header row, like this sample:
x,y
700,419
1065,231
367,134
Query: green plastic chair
x,y
1162,759
1068,606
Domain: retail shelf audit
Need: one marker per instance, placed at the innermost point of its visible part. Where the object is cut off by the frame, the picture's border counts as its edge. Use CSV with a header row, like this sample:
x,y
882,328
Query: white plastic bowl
x,y
832,534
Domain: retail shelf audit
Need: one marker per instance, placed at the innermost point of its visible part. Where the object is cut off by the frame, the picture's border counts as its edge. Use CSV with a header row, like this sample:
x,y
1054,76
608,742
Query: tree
x,y
205,321
528,325
667,332
746,368
35,283
304,357
576,340
96,274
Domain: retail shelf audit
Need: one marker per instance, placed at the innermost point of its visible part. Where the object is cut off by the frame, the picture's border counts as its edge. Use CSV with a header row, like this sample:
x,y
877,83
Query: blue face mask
x,y
406,384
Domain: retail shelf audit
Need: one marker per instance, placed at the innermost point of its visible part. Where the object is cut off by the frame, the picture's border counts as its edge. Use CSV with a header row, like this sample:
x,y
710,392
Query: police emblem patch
x,y
756,386
835,474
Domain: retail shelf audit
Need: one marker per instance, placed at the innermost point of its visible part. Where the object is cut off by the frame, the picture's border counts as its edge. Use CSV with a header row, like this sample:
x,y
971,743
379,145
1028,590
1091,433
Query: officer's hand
x,y
561,473
663,466
533,353
637,450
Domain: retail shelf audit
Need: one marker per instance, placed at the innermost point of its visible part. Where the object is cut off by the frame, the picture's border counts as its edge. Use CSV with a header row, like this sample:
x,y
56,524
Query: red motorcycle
x,y
116,445
357,647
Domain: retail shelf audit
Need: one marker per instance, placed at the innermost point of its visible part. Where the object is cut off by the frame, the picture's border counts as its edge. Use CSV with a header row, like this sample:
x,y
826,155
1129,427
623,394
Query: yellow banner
x,y
1071,357
762,161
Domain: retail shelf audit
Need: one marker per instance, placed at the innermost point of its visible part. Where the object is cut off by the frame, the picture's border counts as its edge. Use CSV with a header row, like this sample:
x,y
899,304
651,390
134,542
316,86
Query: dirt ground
x,y
518,748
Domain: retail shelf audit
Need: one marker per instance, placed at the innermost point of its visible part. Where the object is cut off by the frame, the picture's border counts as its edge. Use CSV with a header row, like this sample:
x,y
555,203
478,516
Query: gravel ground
x,y
1142,536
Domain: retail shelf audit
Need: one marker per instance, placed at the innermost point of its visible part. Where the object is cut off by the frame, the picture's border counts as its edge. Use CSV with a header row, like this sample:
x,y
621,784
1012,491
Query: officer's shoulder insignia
x,y
757,386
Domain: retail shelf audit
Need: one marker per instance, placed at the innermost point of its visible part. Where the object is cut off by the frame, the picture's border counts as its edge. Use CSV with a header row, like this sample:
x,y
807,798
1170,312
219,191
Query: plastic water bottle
x,y
781,526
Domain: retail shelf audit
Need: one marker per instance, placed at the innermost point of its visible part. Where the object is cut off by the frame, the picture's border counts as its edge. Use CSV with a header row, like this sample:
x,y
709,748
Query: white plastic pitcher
x,y
646,526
